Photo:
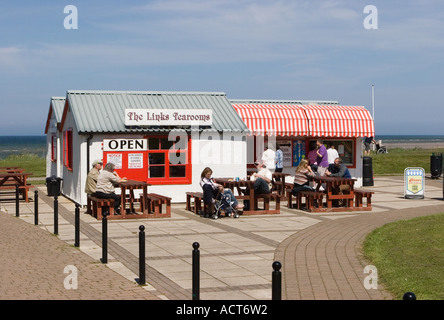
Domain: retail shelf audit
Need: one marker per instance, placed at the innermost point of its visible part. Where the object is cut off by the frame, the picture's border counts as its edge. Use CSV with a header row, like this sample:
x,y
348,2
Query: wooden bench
x,y
360,195
267,197
311,197
156,201
197,198
290,196
24,190
97,205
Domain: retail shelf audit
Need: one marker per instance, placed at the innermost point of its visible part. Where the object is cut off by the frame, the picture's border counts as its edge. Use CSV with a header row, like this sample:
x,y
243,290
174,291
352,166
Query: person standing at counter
x,y
322,157
332,154
268,158
279,160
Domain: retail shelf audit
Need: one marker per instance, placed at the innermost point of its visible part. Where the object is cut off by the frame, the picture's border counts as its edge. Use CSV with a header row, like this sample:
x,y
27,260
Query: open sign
x,y
125,144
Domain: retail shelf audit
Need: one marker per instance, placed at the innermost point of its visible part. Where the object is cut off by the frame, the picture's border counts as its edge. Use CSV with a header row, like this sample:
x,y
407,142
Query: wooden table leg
x,y
122,200
146,200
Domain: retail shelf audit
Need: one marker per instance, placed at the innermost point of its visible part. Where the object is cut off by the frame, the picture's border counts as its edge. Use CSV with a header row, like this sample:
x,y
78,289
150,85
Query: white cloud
x,y
11,59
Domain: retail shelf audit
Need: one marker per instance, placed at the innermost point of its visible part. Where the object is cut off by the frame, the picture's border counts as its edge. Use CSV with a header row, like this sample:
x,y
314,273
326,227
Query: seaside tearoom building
x,y
168,138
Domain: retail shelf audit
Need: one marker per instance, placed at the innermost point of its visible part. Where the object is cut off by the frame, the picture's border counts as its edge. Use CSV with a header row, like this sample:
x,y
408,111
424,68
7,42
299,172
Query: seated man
x,y
91,179
262,181
105,185
338,169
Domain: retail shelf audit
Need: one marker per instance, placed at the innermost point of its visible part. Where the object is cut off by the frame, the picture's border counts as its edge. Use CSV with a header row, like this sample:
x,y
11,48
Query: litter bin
x,y
53,186
367,171
436,165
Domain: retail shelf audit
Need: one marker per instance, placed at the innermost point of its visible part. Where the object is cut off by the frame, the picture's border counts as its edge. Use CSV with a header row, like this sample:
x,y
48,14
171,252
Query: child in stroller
x,y
216,198
224,202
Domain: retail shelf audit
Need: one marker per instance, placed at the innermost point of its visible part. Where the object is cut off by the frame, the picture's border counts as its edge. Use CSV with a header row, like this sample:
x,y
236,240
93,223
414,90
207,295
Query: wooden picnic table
x,y
10,170
249,194
132,185
9,180
331,184
279,181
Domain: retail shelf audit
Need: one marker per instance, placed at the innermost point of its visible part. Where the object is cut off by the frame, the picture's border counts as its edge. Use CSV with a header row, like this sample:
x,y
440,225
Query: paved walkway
x,y
319,252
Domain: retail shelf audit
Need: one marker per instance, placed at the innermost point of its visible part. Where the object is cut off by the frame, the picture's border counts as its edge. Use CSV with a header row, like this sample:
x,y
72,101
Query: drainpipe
x,y
90,136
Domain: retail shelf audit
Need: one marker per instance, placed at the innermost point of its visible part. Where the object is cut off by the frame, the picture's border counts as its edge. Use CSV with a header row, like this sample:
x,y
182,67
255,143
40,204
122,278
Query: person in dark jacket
x,y
338,169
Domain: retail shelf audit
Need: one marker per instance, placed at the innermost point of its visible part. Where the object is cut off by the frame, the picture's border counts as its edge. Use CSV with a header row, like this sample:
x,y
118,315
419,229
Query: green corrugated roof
x,y
103,111
58,103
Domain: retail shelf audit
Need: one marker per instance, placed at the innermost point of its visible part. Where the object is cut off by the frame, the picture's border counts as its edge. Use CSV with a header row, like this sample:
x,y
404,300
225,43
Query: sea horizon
x,y
36,144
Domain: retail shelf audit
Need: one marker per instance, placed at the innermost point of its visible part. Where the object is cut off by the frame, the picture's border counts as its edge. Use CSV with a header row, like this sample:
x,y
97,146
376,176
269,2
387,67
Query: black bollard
x,y
17,198
56,215
409,296
196,267
104,238
142,255
276,281
36,207
77,226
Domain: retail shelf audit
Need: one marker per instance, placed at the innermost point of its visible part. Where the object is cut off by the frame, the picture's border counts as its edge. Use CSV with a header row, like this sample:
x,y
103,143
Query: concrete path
x,y
320,252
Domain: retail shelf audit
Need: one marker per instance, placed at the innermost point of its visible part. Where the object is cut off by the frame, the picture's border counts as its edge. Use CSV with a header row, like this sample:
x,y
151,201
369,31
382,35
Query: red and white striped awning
x,y
306,120
339,121
272,119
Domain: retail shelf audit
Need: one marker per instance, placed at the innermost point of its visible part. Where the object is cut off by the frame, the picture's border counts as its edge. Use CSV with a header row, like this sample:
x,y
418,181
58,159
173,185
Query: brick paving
x,y
33,266
320,253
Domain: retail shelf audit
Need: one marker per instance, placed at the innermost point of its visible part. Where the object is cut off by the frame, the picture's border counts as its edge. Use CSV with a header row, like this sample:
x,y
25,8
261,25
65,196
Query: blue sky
x,y
277,49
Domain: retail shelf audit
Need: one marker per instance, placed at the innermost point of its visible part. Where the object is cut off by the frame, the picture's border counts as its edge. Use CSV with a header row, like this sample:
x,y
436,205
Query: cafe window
x,y
169,161
67,149
346,149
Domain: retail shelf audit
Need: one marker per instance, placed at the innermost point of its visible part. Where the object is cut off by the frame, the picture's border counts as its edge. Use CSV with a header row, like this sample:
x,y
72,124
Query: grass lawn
x,y
30,162
409,256
394,162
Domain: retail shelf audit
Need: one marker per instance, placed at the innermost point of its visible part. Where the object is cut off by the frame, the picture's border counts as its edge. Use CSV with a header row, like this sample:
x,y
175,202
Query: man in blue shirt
x,y
279,161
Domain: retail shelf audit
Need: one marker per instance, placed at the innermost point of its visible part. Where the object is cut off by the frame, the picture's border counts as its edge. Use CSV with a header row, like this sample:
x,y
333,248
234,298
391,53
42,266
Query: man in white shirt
x,y
268,158
332,154
262,179
262,182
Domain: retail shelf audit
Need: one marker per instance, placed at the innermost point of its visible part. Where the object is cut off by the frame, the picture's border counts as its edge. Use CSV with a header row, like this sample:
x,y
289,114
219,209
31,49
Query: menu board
x,y
285,146
414,182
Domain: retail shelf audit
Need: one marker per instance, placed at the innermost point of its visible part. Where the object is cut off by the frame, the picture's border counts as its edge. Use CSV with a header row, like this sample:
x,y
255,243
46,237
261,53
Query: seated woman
x,y
301,182
211,190
105,185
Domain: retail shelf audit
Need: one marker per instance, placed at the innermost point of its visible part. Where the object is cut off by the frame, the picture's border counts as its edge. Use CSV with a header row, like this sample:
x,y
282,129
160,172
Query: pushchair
x,y
224,203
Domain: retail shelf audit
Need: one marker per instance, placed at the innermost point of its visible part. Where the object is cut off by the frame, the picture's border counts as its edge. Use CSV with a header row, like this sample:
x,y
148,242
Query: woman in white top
x,y
211,189
105,185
